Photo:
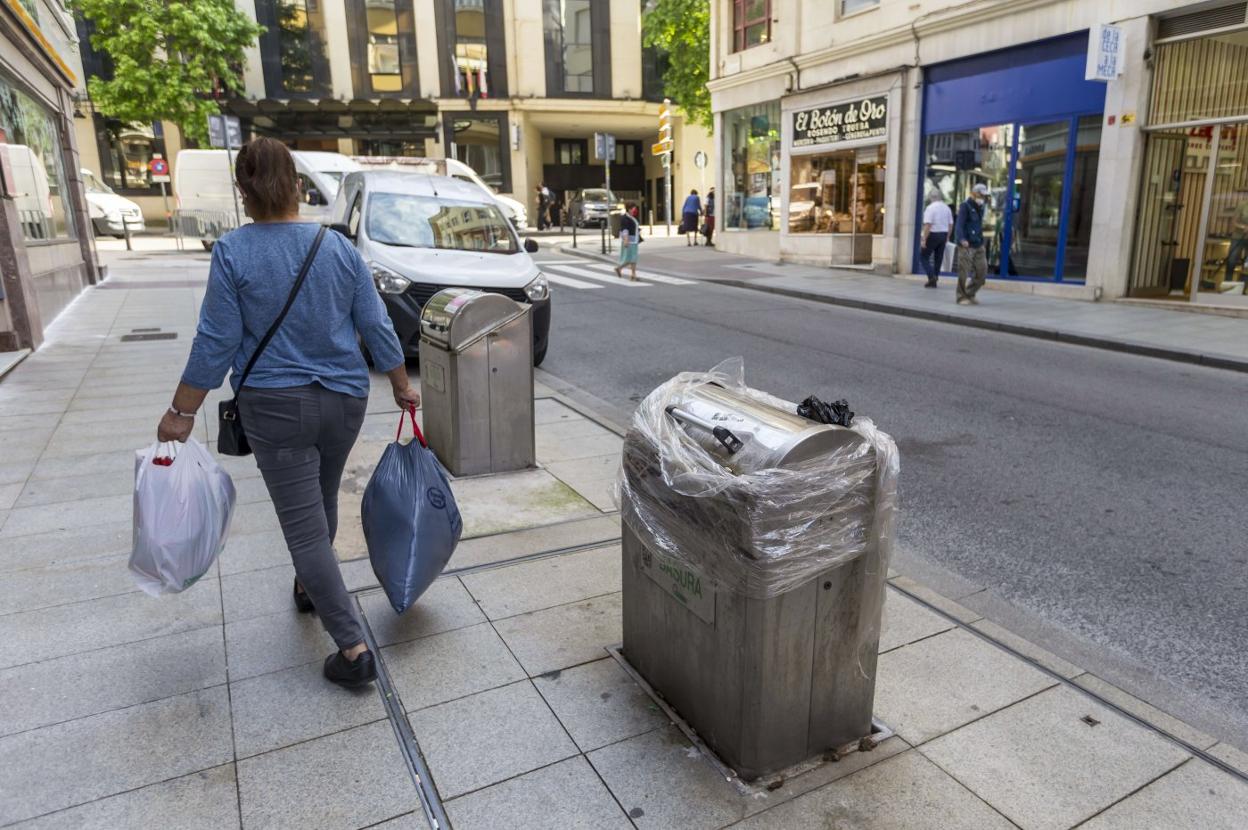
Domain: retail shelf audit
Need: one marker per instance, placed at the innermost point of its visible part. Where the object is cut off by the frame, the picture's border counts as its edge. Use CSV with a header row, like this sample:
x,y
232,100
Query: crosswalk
x,y
590,276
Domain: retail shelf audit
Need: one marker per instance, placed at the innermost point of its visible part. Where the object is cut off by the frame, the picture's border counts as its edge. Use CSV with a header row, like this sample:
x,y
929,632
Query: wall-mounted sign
x,y
867,118
1105,53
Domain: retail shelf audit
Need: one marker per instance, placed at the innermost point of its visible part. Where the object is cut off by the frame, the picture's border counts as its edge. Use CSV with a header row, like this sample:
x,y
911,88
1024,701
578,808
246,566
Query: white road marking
x,y
568,281
610,279
653,277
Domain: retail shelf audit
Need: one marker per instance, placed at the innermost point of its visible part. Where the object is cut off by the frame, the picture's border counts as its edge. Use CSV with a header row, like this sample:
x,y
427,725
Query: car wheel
x,y
540,356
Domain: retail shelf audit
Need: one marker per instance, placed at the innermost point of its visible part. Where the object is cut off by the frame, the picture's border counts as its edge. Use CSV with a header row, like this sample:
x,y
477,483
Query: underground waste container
x,y
476,381
755,552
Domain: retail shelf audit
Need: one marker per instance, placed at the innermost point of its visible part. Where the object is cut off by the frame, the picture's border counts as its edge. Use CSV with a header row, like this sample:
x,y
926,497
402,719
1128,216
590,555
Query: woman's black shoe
x,y
350,673
302,601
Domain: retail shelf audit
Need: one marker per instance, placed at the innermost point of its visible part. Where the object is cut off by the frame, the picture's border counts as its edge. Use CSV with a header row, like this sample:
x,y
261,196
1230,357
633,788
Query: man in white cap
x,y
969,235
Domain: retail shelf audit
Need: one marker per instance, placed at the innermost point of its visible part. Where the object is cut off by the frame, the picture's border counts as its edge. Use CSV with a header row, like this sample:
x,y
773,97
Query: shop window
x,y
32,146
957,161
751,199
578,50
570,150
849,7
1082,191
385,67
841,192
125,151
751,23
479,141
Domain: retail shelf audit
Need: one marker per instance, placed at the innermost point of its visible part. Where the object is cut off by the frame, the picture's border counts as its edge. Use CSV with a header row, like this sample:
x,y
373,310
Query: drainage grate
x,y
139,335
132,284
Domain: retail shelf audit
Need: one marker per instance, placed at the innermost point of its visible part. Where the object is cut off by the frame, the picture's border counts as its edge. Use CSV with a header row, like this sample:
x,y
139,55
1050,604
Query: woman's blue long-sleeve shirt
x,y
253,269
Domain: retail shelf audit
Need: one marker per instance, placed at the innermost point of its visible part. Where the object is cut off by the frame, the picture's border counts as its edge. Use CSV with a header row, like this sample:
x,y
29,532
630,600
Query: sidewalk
x,y
1206,339
500,705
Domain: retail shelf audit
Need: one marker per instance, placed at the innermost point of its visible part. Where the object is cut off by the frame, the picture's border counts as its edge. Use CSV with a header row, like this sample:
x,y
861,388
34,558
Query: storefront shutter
x,y
1235,14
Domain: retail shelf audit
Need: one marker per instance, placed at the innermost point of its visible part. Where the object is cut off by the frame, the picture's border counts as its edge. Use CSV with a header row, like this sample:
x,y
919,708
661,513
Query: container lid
x,y
456,317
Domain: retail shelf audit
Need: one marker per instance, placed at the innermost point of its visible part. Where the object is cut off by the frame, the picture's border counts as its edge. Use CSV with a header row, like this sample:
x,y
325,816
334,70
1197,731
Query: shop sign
x,y
867,118
1105,53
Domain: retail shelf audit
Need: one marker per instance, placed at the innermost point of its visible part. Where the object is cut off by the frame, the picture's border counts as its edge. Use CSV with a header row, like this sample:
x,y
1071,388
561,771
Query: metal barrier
x,y
204,225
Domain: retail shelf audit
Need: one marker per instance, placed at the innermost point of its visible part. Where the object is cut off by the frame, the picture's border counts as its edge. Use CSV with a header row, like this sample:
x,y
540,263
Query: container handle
x,y
723,435
415,429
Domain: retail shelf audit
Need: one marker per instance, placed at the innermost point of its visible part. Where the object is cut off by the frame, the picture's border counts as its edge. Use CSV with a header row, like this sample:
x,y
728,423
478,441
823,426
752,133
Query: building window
x,y
852,6
841,192
292,48
472,52
126,150
385,68
479,141
751,23
32,146
751,198
578,47
570,150
295,49
627,152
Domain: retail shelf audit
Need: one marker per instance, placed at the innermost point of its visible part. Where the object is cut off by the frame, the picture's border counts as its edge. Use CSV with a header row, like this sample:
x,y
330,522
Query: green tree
x,y
682,30
169,58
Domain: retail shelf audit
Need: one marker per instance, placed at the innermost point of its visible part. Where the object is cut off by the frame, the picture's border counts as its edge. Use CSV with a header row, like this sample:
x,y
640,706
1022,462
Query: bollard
x,y
603,230
574,235
125,230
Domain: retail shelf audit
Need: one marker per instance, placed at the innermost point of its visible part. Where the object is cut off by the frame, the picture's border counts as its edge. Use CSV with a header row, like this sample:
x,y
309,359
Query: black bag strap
x,y
290,300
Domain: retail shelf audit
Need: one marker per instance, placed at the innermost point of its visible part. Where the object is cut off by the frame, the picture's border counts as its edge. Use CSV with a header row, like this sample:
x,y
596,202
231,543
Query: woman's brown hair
x,y
265,171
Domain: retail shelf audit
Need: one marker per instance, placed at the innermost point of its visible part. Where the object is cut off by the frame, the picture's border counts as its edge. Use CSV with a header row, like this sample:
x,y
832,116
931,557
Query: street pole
x,y
667,193
229,157
164,199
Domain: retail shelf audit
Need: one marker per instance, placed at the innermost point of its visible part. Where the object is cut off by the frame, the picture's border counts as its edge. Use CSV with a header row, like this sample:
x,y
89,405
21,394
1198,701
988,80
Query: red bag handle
x,y
411,410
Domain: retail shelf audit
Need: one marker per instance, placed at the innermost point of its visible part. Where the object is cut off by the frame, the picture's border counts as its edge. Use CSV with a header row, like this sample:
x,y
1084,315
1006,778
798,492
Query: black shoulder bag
x,y
231,438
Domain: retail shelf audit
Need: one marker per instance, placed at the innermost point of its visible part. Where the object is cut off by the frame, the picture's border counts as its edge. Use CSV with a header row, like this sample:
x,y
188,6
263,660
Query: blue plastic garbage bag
x,y
411,521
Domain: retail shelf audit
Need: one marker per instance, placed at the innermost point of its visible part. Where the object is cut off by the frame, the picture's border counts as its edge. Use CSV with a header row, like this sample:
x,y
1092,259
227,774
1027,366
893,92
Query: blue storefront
x,y
1024,122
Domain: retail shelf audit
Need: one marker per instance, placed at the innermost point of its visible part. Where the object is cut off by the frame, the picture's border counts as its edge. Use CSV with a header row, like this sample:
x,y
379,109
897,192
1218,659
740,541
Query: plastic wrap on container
x,y
757,532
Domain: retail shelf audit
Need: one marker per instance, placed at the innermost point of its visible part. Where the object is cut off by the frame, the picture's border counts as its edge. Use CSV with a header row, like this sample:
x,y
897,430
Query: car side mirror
x,y
343,229
530,246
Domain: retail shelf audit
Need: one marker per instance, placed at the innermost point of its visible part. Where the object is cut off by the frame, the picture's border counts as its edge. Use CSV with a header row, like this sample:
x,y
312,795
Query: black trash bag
x,y
837,413
411,522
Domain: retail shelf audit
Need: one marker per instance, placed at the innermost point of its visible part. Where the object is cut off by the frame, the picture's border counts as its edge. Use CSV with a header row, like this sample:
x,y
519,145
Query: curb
x,y
11,360
584,254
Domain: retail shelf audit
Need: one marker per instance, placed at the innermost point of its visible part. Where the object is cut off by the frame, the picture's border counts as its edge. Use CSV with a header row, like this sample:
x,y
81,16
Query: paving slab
x,y
9,494
119,462
1144,711
54,518
408,821
485,550
599,704
907,791
906,621
72,763
948,606
446,606
514,501
61,583
294,705
253,551
552,448
79,685
935,685
451,665
593,477
279,641
1195,795
567,795
205,800
350,779
552,411
1230,755
254,518
1030,651
489,737
1054,760
545,583
563,636
258,593
82,626
42,549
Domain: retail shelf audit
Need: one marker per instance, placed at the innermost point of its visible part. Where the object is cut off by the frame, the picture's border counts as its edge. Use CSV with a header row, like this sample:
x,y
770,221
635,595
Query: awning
x,y
384,118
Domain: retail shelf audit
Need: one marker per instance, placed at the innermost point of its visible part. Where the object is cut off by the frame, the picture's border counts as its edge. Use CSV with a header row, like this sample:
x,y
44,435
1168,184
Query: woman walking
x,y
630,237
303,402
689,217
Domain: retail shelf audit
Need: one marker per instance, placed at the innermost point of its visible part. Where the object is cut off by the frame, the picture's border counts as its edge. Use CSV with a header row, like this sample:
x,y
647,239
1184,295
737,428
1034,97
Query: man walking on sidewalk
x,y
1239,244
969,235
937,222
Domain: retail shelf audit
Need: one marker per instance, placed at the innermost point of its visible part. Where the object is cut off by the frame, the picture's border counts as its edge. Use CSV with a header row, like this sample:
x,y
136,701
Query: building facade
x,y
514,88
46,251
838,120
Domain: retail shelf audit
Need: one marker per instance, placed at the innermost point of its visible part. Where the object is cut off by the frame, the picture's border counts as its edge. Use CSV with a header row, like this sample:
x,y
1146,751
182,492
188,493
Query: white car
x,y
514,210
108,210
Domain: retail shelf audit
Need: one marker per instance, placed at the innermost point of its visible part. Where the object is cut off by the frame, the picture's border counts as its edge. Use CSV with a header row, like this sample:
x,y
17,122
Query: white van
x,y
202,188
32,195
111,215
514,211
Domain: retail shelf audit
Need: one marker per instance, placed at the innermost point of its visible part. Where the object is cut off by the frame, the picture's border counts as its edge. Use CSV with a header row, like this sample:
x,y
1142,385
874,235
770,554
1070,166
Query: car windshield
x,y
93,184
411,221
597,196
333,179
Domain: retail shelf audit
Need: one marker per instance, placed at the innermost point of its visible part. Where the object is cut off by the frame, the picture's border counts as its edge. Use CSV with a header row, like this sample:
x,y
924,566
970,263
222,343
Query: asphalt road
x,y
1091,501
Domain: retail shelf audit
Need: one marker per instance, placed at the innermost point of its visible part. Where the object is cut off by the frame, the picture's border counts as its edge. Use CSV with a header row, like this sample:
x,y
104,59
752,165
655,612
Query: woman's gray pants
x,y
301,437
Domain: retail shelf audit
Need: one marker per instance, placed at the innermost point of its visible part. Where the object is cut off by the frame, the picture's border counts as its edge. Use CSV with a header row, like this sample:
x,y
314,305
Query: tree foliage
x,y
682,30
170,57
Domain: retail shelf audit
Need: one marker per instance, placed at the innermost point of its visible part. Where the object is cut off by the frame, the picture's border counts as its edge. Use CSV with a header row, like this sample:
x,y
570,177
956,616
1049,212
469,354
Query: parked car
x,y
203,182
108,210
420,234
456,169
593,206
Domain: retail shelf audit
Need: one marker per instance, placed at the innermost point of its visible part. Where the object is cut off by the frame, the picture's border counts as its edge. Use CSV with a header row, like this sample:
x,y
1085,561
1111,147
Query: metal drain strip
x,y
430,802
1109,704
529,557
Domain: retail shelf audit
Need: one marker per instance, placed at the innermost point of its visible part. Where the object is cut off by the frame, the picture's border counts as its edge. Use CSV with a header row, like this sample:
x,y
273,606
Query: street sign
x,y
1106,47
159,169
223,129
699,160
604,146
661,148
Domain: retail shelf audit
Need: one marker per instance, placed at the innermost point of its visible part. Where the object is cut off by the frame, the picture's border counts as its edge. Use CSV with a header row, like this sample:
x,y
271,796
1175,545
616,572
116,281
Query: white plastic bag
x,y
183,502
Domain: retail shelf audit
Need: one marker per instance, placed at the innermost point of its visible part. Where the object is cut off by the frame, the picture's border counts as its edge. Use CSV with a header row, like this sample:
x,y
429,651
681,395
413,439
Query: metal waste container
x,y
476,378
755,546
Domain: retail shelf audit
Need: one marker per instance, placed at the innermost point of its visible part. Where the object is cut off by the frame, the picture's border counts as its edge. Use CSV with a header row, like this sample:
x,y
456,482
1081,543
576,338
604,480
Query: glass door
x,y
1170,200
1223,266
1036,208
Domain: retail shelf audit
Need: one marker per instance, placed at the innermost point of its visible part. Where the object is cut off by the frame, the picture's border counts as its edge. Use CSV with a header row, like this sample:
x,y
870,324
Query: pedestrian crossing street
x,y
587,276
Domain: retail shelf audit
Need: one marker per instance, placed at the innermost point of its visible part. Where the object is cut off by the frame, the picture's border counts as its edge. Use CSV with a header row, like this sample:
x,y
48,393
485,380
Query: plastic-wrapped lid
x,y
455,317
770,437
